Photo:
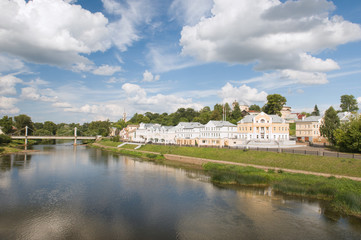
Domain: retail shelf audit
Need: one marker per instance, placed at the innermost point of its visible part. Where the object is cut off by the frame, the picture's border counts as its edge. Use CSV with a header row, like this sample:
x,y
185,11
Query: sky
x,y
82,61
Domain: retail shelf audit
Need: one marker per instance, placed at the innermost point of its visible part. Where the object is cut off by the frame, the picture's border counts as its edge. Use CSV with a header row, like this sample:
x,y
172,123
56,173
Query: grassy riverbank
x,y
14,146
344,195
331,165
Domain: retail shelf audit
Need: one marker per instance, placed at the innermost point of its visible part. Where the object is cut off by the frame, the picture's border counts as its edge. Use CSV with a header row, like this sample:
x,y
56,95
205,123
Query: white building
x,y
187,133
218,133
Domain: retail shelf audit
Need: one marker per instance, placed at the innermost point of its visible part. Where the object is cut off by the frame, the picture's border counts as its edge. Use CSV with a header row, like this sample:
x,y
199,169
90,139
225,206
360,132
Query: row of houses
x,y
260,128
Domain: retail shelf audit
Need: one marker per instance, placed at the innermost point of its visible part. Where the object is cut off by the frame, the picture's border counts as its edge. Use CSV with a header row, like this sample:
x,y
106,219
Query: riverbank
x,y
344,195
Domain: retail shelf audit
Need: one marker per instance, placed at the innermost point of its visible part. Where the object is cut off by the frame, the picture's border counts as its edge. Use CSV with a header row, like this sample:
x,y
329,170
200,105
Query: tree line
x,y
16,126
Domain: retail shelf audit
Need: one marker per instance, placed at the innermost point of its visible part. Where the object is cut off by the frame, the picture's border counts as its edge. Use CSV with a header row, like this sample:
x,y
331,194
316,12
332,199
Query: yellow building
x,y
263,127
308,130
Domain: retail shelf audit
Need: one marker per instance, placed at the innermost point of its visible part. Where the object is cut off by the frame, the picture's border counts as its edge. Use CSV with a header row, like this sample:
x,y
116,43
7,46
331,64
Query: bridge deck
x,y
55,137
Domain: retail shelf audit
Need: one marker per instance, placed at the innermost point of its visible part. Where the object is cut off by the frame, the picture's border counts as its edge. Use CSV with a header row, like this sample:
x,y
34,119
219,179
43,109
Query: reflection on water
x,y
18,161
79,193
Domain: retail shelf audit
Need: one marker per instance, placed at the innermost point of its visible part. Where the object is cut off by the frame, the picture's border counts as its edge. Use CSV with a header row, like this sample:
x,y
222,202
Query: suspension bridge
x,y
75,137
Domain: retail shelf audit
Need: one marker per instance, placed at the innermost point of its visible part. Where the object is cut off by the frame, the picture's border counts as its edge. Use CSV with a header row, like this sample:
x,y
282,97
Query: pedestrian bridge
x,y
75,137
55,137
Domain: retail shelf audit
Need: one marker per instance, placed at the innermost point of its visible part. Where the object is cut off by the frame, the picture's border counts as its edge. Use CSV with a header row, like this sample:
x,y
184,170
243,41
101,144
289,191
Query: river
x,y
66,192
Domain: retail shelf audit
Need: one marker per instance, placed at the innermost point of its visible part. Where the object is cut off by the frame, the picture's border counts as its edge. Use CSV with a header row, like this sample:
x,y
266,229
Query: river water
x,y
66,192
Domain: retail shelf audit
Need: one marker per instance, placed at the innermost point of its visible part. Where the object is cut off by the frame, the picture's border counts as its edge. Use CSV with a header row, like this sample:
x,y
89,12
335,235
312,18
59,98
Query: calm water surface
x,y
64,192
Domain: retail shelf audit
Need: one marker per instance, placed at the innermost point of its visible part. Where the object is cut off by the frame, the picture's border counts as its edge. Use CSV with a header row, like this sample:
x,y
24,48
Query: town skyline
x,y
81,61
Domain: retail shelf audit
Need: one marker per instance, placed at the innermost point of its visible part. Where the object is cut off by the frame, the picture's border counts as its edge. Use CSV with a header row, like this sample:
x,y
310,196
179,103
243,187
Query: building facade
x,y
263,127
218,133
308,130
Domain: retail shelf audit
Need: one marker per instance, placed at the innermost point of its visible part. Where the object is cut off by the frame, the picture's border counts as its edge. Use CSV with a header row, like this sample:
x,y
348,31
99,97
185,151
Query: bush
x,y
4,139
115,139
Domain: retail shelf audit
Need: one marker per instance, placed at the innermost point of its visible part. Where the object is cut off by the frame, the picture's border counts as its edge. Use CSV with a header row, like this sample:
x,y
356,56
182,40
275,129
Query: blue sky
x,y
79,61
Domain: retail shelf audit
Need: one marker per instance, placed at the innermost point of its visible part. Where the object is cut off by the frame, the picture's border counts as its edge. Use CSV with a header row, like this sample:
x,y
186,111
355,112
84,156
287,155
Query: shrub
x,y
4,139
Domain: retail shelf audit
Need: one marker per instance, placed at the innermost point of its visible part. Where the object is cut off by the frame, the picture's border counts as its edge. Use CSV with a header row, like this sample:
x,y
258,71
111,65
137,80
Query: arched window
x,y
262,121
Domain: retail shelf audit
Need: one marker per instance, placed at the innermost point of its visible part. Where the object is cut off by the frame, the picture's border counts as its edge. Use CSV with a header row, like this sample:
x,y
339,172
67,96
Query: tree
x,y
51,127
315,112
6,124
255,107
24,120
348,103
331,122
274,104
236,113
348,136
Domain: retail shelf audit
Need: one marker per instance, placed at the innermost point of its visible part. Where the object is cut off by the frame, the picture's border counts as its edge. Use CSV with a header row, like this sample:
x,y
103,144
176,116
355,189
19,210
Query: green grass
x,y
331,165
148,156
129,146
343,194
109,143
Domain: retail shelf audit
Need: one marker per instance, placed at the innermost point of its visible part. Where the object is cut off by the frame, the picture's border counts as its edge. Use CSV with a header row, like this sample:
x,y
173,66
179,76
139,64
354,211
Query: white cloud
x,y
106,70
8,63
35,94
7,105
282,78
134,99
272,34
131,15
189,11
243,94
61,105
148,77
8,83
51,32
359,100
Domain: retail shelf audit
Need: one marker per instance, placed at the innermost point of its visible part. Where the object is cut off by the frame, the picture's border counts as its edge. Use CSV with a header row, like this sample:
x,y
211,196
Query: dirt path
x,y
201,161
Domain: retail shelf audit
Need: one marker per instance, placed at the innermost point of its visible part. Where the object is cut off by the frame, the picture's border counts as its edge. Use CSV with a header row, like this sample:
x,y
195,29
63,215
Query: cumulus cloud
x,y
8,83
52,32
35,94
282,78
137,96
8,63
148,77
106,70
243,94
189,12
270,33
359,100
7,105
131,14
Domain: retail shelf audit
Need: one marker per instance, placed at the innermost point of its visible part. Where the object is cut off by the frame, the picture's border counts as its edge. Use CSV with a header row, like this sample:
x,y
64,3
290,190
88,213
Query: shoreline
x,y
342,192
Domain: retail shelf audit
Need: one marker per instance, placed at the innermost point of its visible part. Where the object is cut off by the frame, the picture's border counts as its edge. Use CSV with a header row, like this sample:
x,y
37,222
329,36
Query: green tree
x,y
274,105
42,132
331,122
255,107
315,112
24,120
51,127
348,103
38,125
99,128
348,136
236,113
6,124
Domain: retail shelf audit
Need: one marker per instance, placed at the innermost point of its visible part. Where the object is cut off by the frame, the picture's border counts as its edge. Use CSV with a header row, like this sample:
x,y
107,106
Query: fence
x,y
279,150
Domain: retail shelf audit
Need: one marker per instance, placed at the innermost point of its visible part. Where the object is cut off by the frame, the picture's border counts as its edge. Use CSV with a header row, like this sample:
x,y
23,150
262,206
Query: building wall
x,y
309,131
263,128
